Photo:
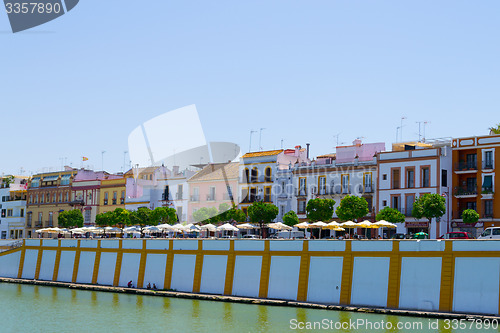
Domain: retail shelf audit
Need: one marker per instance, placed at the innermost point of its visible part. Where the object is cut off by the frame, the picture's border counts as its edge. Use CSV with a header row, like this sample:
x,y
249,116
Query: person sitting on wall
x,y
129,284
154,287
148,286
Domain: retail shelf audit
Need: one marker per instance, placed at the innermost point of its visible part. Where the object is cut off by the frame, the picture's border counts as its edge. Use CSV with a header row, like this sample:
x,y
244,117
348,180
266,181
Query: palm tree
x,y
495,130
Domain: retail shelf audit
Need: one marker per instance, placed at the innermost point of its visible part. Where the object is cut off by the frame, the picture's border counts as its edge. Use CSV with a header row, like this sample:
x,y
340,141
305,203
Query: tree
x,y
121,217
291,218
495,130
70,218
352,208
262,212
224,212
104,219
429,206
206,214
161,215
237,215
141,217
390,215
470,216
320,209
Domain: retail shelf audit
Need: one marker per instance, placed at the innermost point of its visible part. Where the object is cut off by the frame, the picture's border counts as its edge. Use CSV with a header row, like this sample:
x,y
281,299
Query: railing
x,y
38,224
28,224
346,189
464,166
488,215
105,202
488,165
114,201
179,196
50,224
210,197
122,201
467,190
487,190
195,198
300,192
369,188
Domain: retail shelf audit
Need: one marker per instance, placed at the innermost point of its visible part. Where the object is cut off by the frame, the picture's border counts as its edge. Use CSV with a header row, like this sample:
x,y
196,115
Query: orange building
x,y
474,181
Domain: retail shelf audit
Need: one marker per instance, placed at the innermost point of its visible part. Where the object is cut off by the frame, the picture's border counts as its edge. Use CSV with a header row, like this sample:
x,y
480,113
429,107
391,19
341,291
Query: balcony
x,y
369,188
179,196
28,224
114,201
488,165
50,224
300,192
38,224
487,193
346,189
211,197
195,198
466,167
122,201
465,192
105,202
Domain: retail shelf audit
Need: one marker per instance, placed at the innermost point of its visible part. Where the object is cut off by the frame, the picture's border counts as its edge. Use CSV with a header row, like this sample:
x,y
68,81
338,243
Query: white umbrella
x,y
131,229
209,227
279,226
303,225
165,226
151,229
112,230
245,226
349,224
227,227
318,224
192,227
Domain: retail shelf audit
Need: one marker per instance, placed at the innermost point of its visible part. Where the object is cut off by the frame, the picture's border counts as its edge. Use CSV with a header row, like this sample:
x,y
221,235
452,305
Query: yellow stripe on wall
x,y
21,260
97,261
394,277
57,262
303,272
347,267
228,285
77,262
39,261
265,270
118,267
198,268
168,267
142,265
447,276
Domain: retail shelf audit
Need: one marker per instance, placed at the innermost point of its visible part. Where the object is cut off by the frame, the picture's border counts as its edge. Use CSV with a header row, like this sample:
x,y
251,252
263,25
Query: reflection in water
x,y
196,309
228,312
166,304
74,298
300,315
263,318
19,290
116,301
36,291
345,317
54,294
393,320
93,298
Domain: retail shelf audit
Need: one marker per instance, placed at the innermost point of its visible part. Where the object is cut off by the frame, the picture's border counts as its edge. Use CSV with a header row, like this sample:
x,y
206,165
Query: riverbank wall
x,y
423,275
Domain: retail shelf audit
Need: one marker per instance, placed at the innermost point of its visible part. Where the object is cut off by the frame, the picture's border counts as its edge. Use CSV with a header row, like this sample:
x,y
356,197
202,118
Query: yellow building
x,y
112,194
47,195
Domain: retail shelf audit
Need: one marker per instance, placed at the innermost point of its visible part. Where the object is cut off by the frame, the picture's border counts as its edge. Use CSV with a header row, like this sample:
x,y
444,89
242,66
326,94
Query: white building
x,y
352,170
13,207
404,175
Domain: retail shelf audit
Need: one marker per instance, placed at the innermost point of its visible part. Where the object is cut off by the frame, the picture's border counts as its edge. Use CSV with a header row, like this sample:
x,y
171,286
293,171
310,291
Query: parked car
x,y
457,235
399,236
490,233
251,237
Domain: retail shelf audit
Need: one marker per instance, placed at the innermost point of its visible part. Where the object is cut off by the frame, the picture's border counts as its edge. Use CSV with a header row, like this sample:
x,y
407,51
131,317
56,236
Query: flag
x,y
85,158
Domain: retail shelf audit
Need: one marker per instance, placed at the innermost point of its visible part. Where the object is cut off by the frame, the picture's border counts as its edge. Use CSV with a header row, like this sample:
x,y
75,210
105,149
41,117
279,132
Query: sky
x,y
305,71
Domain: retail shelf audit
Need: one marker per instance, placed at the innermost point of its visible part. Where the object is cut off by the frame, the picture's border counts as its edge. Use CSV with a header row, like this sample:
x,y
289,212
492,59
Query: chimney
x,y
297,150
308,144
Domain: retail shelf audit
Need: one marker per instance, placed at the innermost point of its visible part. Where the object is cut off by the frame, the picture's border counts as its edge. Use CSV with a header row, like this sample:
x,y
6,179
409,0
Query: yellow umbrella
x,y
333,225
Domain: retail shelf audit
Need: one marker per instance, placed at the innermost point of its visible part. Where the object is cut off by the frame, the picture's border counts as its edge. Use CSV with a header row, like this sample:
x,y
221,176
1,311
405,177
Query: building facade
x,y
13,206
404,175
474,182
48,194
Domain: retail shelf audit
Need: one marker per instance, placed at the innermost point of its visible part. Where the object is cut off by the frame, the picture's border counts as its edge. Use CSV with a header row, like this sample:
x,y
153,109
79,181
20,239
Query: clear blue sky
x,y
303,70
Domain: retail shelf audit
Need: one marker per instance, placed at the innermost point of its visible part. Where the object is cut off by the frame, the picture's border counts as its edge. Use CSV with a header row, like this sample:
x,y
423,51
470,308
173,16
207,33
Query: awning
x,y
50,178
66,176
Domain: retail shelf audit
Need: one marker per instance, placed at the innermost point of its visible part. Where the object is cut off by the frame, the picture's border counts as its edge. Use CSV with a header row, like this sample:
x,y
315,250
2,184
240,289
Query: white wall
x,y
129,269
325,279
370,281
213,274
284,277
183,272
246,280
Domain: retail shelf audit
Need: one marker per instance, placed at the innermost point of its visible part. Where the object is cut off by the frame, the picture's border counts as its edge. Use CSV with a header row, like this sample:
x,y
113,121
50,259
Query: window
x,y
179,192
105,198
302,186
122,198
444,178
255,175
253,194
246,176
268,175
51,219
115,195
40,217
369,201
472,185
31,198
301,206
384,177
30,218
384,203
54,197
488,208
36,198
42,199
9,212
196,194
396,178
472,161
229,194
471,205
179,214
410,178
410,199
60,197
211,193
22,212
166,194
87,216
488,184
267,194
488,160
426,177
396,204
367,181
4,212
345,184
322,184
244,195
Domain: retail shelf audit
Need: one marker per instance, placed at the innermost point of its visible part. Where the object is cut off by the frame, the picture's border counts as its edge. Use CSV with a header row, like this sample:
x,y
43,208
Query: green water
x,y
27,308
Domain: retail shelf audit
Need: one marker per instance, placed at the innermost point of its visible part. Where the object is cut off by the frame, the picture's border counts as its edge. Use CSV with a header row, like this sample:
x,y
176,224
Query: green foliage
x,y
237,215
104,219
429,206
496,129
390,215
70,218
291,218
206,214
320,209
224,212
470,216
141,216
262,212
162,215
352,208
121,217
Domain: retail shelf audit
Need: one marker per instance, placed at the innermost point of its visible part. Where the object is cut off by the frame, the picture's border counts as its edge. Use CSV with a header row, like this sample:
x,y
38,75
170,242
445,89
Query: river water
x,y
27,308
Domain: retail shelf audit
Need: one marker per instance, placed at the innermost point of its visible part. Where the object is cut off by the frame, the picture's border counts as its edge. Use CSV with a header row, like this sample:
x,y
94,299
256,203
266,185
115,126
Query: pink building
x,y
215,184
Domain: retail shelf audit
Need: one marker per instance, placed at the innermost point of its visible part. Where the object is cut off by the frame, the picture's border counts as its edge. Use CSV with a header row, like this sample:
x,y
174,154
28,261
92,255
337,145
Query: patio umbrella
x,y
151,229
349,225
279,226
384,224
112,230
245,226
303,225
367,225
318,225
227,227
209,228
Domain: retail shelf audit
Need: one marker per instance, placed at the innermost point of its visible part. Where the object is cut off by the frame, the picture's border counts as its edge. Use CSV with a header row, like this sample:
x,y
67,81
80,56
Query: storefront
x,y
475,229
414,227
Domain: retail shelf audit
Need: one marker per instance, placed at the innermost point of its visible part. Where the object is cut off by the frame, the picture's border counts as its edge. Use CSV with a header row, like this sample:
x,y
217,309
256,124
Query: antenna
x,y
419,135
425,123
260,139
401,132
281,143
125,160
250,146
102,160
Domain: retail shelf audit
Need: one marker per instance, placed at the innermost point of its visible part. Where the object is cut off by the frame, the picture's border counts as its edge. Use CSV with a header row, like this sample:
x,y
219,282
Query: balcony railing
x,y
122,201
50,224
346,189
179,196
301,192
38,224
211,197
369,188
464,166
195,198
487,190
28,224
467,190
488,165
488,215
